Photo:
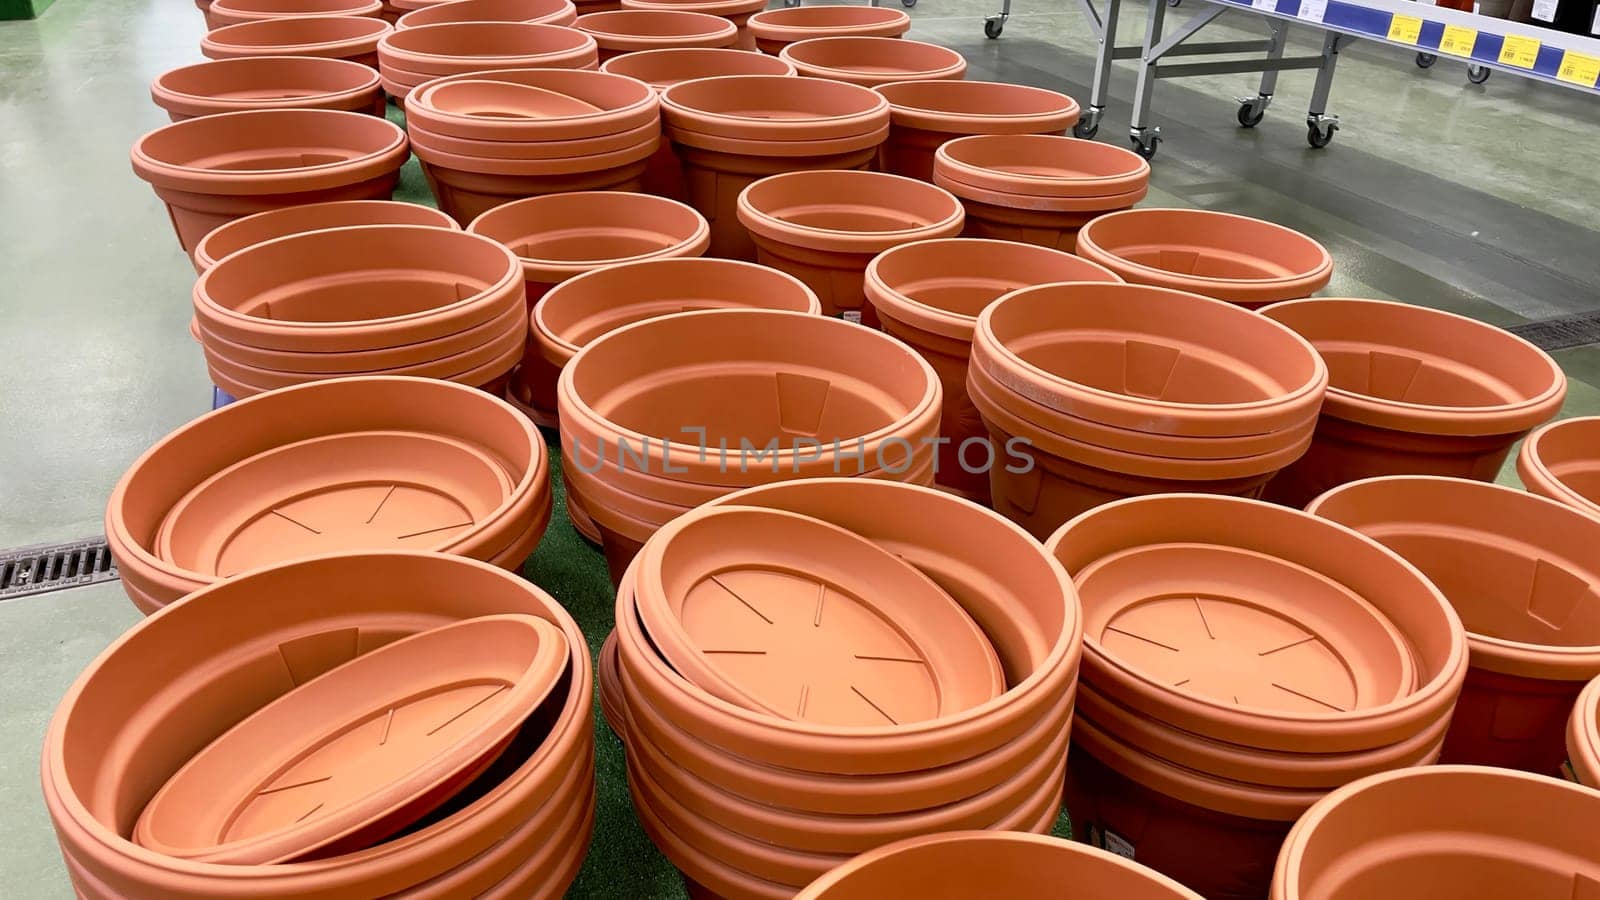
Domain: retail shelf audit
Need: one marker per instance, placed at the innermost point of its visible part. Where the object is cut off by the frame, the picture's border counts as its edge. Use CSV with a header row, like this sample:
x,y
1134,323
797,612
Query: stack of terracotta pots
x,y
1414,391
267,82
631,30
488,138
1522,573
355,463
1445,831
335,37
214,169
560,236
407,59
234,12
873,61
929,294
775,29
1562,461
363,300
924,115
825,227
1241,660
666,414
734,130
736,11
811,670
478,783
1583,737
1040,189
1233,258
962,864
533,12
1091,392
273,224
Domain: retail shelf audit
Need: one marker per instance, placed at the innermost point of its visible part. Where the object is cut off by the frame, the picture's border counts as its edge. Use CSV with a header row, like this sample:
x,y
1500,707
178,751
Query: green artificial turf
x,y
622,864
23,9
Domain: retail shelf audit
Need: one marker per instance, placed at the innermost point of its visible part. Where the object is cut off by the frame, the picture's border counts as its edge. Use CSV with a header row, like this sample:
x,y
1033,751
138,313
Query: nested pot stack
x,y
1522,573
276,223
532,12
929,294
347,464
1413,391
632,30
267,82
561,236
354,38
235,12
155,760
1091,392
825,227
924,115
1562,461
736,11
1583,737
214,169
488,138
667,414
734,130
873,61
1241,660
409,58
807,671
775,29
362,300
1039,188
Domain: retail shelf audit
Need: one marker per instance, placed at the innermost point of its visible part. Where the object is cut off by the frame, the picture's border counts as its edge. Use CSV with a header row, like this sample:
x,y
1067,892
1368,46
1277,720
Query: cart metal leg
x,y
1319,125
1105,34
1252,109
1145,137
995,24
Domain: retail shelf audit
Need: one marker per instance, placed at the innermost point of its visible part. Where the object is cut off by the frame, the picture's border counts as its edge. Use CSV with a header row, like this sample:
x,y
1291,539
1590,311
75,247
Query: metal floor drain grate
x,y
51,567
1561,333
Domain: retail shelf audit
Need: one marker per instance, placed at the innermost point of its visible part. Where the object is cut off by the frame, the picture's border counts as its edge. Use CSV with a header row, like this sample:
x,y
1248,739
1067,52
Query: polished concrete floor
x,y
1478,199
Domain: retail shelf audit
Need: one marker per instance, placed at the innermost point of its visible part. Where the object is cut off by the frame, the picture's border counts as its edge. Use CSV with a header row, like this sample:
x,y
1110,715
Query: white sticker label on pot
x,y
1117,844
853,316
1545,10
1313,10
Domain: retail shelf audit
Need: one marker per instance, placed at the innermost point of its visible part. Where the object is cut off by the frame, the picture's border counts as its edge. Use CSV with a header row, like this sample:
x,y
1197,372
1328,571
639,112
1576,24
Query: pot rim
x,y
839,146
362,42
563,14
1086,207
168,98
933,118
417,60
1538,475
1318,274
571,165
986,182
716,28
769,24
1583,736
763,224
724,8
237,15
528,151
558,271
640,112
954,66
874,115
642,57
206,260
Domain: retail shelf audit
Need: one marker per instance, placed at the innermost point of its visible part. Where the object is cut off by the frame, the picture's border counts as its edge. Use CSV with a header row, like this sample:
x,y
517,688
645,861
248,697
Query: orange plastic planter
x,y
775,29
277,223
631,30
337,37
1562,461
533,12
736,11
927,114
873,61
266,82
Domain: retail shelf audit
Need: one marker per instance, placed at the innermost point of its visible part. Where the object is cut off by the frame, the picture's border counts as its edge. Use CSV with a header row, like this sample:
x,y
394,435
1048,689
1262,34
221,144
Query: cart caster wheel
x,y
992,27
791,3
1320,134
1251,113
909,4
1085,129
1146,147
1426,60
1478,74
1174,2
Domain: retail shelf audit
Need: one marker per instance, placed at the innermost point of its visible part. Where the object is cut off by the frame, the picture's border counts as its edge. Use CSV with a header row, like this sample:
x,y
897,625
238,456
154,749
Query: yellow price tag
x,y
1405,29
1458,41
1519,51
1579,68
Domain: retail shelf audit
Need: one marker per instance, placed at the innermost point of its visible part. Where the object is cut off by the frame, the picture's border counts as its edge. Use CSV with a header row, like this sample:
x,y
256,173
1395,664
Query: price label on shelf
x,y
1313,10
1405,29
1457,40
1519,51
1579,68
1265,5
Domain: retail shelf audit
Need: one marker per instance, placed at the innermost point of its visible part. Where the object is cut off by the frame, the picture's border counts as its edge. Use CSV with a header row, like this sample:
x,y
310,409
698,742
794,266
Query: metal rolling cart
x,y
1484,43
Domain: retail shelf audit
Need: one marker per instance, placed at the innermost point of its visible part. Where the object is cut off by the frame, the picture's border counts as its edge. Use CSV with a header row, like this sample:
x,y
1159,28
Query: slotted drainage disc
x,y
50,567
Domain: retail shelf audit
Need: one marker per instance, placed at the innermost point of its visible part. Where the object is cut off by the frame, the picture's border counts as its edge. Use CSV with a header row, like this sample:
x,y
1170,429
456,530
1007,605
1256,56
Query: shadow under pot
x,y
924,115
929,294
873,61
265,82
1413,391
825,227
734,130
1562,461
272,224
1520,571
1463,831
532,12
214,169
775,29
354,38
736,11
630,30
1091,392
235,12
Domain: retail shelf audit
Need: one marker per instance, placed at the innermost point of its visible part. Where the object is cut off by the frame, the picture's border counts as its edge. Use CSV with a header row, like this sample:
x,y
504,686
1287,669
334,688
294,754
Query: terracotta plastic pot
x,y
466,191
217,466
736,11
214,169
1375,616
266,226
1562,461
956,865
249,641
265,82
929,294
1098,390
411,57
234,12
1583,737
1463,831
630,30
533,12
1519,570
1040,189
733,130
511,106
337,37
873,61
926,114
776,28
825,227
1414,391
1234,258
